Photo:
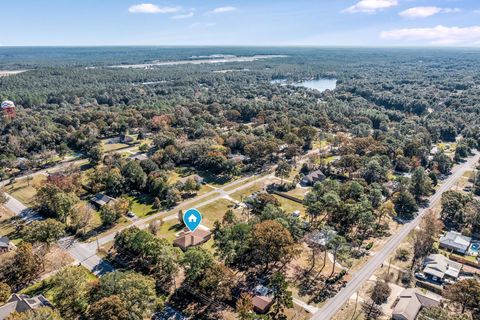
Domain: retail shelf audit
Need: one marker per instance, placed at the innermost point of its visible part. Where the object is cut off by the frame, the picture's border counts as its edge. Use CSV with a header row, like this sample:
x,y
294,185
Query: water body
x,y
216,59
318,84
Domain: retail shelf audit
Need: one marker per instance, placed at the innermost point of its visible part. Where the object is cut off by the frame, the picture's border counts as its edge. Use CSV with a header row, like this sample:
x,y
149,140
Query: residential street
x,y
334,304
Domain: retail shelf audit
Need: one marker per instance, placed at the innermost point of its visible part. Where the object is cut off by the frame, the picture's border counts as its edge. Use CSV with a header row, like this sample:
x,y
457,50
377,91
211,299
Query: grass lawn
x,y
47,288
319,144
243,193
289,206
214,211
299,192
169,230
24,190
142,205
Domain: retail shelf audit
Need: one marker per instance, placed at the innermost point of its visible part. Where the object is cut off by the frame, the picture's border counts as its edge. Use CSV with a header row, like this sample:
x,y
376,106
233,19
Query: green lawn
x,y
24,190
214,211
107,147
243,193
169,230
289,206
142,205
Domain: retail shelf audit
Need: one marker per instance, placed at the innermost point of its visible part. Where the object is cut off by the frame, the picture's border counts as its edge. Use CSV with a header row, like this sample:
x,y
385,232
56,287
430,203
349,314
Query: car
x,y
131,214
420,276
296,214
448,281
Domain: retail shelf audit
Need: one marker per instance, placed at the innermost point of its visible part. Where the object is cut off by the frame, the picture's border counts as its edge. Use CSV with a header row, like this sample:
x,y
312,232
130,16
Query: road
x,y
334,304
86,252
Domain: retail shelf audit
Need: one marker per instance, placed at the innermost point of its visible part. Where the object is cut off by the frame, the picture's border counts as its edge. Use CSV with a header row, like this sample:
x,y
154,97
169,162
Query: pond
x,y
318,84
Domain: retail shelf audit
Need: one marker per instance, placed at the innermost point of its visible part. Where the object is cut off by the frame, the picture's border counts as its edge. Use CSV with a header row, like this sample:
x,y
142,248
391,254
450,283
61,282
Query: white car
x,y
420,276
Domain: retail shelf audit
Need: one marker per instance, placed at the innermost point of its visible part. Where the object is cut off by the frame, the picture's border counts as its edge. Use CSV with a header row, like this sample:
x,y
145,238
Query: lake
x,y
318,84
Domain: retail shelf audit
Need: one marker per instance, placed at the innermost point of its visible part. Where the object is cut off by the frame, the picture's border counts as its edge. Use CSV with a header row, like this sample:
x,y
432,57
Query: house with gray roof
x,y
101,199
313,177
410,302
5,245
22,303
455,241
439,268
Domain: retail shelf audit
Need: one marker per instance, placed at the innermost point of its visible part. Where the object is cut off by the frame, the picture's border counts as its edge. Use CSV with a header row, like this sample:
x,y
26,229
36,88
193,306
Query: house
x,y
455,241
188,238
169,313
261,304
22,303
101,199
5,245
410,302
313,177
194,177
439,268
262,300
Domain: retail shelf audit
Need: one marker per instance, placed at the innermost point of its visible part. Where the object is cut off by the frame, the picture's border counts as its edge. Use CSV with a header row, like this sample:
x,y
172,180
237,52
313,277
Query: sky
x,y
240,22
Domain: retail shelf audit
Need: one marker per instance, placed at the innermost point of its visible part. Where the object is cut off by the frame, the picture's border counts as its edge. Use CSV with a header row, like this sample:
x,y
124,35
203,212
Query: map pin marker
x,y
192,219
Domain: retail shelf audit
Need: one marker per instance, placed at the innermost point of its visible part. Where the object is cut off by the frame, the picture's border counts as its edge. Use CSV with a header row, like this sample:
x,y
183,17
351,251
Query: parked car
x,y
420,276
130,214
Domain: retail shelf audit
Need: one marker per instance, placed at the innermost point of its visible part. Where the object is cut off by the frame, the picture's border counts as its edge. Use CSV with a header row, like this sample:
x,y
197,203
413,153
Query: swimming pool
x,y
474,248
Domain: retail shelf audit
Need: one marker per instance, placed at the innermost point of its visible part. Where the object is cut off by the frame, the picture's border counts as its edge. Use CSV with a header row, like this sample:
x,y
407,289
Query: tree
x,y
44,313
374,172
136,292
217,282
46,231
439,313
195,262
271,243
338,245
282,297
23,268
95,154
135,177
54,202
70,296
465,293
80,217
283,170
244,306
108,308
5,292
420,184
379,295
114,210
405,205
424,238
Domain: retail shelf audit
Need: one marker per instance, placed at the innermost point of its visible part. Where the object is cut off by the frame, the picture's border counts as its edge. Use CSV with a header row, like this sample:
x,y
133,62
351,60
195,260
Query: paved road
x,y
334,304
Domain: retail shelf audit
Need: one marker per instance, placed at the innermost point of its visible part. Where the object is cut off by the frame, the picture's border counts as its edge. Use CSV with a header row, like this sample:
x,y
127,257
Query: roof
x,y
314,175
409,303
102,199
456,240
438,265
22,303
261,303
139,156
4,242
188,239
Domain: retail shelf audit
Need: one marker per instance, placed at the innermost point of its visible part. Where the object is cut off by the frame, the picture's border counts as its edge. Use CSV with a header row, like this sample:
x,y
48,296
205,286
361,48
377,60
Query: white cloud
x,y
424,12
152,8
371,6
183,16
224,9
439,35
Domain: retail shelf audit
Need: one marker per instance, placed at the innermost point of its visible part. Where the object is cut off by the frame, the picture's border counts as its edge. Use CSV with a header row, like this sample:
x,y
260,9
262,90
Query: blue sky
x,y
241,22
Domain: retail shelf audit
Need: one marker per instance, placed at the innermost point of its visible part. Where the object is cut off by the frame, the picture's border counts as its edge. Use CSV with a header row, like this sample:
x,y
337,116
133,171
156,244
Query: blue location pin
x,y
192,219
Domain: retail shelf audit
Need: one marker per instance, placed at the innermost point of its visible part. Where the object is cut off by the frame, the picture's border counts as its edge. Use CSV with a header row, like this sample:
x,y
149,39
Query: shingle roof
x,y
456,240
409,303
